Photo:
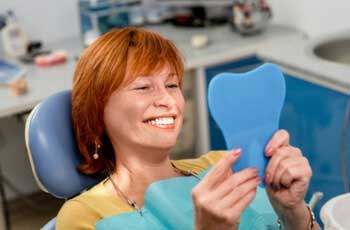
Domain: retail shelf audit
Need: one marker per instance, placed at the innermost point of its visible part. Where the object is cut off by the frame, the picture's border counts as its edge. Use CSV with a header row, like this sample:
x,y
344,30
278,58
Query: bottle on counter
x,y
14,38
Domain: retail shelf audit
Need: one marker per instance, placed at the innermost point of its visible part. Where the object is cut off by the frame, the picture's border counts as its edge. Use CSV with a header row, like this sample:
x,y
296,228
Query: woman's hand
x,y
287,179
222,195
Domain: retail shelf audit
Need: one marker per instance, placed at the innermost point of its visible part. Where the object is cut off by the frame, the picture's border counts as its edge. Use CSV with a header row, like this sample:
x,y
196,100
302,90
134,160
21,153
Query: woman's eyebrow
x,y
171,75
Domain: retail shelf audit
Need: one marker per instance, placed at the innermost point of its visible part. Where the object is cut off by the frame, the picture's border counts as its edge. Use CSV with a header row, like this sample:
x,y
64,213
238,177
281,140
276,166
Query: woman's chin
x,y
167,146
164,145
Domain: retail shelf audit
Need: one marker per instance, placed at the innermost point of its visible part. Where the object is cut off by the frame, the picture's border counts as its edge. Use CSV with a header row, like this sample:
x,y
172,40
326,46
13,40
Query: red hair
x,y
117,57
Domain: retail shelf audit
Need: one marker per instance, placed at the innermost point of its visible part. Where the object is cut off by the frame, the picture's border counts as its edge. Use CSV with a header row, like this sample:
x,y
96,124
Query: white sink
x,y
336,49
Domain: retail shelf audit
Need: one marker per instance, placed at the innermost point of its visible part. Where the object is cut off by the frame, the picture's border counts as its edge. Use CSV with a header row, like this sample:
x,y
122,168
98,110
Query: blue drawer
x,y
314,117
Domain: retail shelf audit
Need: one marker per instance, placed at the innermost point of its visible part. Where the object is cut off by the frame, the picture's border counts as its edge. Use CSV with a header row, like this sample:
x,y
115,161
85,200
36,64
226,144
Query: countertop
x,y
295,55
279,44
224,44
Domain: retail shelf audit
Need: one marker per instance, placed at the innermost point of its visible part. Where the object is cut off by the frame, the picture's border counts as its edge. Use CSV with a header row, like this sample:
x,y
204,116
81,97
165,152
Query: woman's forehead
x,y
164,71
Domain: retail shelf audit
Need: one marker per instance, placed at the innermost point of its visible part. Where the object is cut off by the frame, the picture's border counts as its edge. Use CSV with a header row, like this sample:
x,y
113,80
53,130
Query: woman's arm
x,y
300,217
287,179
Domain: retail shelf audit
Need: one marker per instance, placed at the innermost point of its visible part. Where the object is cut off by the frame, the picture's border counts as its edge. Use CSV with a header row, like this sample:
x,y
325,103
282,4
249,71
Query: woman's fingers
x,y
279,139
220,170
279,155
239,192
286,167
221,189
293,169
234,181
236,210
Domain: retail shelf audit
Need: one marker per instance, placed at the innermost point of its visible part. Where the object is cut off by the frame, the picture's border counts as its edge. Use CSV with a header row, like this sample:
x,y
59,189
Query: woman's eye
x,y
142,88
173,86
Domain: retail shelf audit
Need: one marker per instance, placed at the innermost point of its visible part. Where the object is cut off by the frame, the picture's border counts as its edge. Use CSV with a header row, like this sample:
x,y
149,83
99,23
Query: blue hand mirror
x,y
247,108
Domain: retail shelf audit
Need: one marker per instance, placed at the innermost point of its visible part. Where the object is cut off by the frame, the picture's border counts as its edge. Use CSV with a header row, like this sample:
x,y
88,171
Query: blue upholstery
x,y
247,107
52,148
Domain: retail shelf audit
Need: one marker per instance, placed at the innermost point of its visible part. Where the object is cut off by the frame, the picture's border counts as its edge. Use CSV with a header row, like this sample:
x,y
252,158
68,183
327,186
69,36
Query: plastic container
x,y
335,213
14,39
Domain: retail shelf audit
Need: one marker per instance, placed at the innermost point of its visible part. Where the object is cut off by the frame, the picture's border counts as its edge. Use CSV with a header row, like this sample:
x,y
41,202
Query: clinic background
x,y
51,21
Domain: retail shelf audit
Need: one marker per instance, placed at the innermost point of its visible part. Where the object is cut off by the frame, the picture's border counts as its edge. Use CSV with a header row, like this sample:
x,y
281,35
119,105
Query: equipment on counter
x,y
34,49
99,16
53,58
189,16
197,13
199,41
2,21
14,38
13,78
250,16
18,87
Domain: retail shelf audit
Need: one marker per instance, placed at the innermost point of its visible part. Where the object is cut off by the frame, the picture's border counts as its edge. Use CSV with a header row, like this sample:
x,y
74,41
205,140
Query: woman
x,y
127,109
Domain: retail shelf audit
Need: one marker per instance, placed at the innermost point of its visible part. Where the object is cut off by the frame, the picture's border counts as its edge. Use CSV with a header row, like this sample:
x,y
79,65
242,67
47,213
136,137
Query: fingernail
x,y
269,151
236,152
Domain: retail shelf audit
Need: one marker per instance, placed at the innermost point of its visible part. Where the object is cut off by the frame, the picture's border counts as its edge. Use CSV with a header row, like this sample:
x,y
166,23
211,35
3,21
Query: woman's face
x,y
147,112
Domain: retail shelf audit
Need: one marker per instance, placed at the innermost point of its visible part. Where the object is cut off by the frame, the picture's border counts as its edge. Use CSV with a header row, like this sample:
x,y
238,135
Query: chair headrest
x,y
247,107
52,148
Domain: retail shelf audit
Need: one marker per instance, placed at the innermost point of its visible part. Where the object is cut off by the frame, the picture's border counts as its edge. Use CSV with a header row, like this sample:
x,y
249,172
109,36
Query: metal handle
x,y
316,197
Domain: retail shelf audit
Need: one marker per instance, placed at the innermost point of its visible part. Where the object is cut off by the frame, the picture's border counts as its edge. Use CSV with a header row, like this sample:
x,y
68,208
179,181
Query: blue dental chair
x,y
54,156
52,150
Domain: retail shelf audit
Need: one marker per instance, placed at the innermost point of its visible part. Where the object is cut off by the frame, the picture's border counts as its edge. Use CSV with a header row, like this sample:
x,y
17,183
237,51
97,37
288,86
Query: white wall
x,y
47,20
315,17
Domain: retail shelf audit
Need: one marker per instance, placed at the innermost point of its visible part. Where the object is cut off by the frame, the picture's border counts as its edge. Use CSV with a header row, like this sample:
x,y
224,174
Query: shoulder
x,y
84,210
76,215
201,163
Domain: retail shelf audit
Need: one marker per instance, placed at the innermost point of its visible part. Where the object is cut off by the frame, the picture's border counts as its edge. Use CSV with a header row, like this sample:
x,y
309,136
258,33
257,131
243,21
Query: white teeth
x,y
162,121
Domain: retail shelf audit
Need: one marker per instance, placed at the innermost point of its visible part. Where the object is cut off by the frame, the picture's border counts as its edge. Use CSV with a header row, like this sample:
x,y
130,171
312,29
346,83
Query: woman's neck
x,y
135,172
137,169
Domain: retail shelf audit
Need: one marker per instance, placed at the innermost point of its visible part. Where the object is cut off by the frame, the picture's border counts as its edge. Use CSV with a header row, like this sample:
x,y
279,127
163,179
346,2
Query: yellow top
x,y
83,211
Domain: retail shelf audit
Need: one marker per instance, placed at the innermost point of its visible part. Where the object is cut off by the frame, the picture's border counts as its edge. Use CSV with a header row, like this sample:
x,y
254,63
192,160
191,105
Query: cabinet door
x,y
216,138
184,147
314,117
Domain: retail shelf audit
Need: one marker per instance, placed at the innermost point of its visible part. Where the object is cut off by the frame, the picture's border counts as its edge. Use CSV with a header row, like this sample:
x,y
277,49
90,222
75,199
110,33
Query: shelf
x,y
195,2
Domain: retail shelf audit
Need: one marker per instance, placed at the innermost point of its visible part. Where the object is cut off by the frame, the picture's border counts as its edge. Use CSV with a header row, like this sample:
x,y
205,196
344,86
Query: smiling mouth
x,y
162,122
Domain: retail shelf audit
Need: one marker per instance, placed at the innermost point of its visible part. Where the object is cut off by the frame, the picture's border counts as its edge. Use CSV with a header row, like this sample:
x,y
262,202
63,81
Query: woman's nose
x,y
164,98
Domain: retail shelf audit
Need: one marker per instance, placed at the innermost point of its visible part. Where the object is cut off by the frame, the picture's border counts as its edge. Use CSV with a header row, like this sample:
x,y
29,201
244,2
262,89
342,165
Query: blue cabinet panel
x,y
314,117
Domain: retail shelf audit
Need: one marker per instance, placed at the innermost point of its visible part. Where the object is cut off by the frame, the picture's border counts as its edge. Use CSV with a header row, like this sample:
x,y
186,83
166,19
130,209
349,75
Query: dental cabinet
x,y
315,117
